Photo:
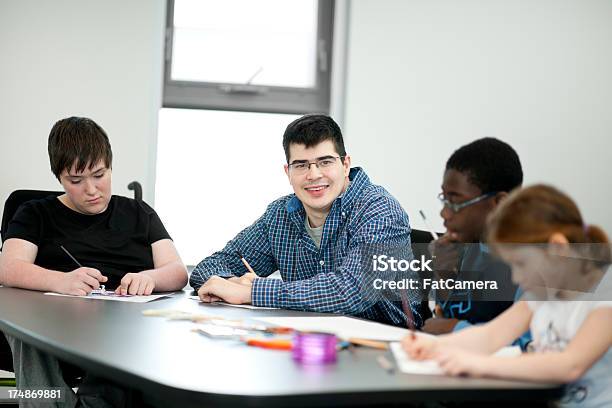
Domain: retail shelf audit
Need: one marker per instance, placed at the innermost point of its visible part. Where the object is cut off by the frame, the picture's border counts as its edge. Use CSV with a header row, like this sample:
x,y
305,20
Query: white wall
x,y
100,59
425,77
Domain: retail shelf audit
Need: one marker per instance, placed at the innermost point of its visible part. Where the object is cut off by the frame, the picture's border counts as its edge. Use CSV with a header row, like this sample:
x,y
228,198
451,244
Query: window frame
x,y
255,98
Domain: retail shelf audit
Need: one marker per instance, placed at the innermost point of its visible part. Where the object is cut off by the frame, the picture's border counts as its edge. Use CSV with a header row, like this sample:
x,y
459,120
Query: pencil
x,y
433,233
71,257
379,345
244,261
408,312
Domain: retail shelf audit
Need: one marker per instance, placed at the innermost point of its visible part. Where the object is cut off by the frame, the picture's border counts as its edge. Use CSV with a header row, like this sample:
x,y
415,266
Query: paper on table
x,y
238,306
510,351
407,365
110,296
342,326
6,374
215,330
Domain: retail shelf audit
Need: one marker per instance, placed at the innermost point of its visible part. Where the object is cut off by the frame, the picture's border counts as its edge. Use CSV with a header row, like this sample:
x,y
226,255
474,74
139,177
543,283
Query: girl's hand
x,y
420,347
456,362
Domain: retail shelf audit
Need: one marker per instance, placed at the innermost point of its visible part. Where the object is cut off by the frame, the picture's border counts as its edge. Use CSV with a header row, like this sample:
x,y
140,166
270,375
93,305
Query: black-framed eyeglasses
x,y
301,167
456,207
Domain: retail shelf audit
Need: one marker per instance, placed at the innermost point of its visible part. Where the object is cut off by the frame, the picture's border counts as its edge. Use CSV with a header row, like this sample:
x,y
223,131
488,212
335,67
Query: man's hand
x,y
217,288
246,279
136,284
80,282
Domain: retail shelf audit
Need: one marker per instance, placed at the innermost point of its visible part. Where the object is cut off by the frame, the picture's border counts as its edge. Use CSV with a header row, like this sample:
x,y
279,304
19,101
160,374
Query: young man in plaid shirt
x,y
314,237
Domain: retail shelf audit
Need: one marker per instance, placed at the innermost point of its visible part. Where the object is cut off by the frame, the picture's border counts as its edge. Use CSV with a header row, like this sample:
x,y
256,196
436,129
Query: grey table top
x,y
167,360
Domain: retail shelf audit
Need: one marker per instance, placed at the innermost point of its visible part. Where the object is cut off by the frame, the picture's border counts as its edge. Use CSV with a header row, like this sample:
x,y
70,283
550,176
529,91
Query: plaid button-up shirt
x,y
325,279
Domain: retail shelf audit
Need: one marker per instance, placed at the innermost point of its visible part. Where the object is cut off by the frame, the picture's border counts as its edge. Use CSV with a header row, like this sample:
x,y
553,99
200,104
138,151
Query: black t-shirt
x,y
115,242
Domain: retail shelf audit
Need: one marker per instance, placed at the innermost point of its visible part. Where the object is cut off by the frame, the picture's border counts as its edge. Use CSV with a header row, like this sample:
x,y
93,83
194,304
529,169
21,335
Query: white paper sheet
x,y
344,327
409,366
214,330
6,374
251,307
510,351
117,298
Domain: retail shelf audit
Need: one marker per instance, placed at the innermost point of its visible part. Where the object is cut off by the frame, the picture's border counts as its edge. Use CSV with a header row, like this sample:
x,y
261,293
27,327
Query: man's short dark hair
x,y
489,163
312,129
78,141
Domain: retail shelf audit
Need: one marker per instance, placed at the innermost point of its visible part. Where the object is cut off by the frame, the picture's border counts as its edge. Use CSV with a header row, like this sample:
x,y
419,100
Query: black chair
x,y
421,237
14,200
137,188
18,197
420,240
6,357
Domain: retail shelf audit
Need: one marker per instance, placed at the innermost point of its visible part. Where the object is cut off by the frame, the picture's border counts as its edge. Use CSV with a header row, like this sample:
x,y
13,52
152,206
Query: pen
x,y
244,261
431,230
71,257
102,288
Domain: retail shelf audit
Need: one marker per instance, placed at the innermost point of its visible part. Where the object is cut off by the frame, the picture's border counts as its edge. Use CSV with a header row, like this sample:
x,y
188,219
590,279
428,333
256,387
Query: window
x,y
216,173
237,72
245,55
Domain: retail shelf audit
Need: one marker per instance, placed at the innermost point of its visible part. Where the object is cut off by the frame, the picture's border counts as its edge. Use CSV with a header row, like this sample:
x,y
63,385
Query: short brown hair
x,y
80,142
312,129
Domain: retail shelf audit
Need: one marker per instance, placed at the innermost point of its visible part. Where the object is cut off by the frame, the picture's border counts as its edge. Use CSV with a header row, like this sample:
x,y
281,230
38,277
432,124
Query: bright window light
x,y
216,173
263,42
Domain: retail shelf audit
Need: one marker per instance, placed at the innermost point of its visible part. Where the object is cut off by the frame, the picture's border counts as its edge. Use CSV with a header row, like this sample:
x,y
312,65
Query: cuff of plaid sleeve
x,y
266,292
199,277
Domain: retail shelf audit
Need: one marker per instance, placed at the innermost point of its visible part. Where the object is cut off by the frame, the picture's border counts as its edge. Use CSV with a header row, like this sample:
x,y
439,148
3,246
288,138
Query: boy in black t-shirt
x,y
120,242
116,243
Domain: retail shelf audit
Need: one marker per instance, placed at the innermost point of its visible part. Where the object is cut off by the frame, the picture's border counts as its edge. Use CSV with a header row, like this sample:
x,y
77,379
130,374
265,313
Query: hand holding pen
x,y
234,290
420,347
79,282
247,278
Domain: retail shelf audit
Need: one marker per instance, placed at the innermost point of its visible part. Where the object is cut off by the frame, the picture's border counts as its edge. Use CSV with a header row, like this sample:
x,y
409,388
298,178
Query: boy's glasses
x,y
456,207
301,167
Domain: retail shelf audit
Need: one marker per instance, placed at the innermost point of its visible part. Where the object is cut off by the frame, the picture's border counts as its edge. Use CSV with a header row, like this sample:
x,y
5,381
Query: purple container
x,y
314,348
